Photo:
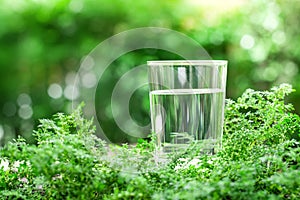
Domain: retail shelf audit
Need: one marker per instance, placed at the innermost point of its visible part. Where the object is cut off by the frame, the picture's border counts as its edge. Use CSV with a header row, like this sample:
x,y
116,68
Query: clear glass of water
x,y
187,100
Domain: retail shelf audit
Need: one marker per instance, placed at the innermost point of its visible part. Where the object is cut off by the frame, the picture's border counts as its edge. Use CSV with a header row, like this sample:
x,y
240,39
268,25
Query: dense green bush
x,y
43,43
260,159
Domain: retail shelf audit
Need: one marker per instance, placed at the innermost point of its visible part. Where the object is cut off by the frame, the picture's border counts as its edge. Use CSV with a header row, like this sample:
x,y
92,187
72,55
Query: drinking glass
x,y
187,100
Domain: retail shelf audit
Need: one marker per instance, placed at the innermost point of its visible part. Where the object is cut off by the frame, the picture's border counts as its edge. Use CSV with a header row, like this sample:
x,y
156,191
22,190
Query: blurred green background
x,y
42,44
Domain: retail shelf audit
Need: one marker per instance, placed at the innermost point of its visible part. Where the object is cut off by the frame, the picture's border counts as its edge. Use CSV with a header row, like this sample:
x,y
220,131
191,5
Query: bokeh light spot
x,y
25,111
9,109
89,80
76,6
71,92
88,63
55,91
247,42
270,74
271,22
24,99
259,53
279,37
291,69
70,78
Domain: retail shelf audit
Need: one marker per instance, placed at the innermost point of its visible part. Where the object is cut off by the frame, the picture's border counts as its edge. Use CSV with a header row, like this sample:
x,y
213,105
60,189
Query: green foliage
x,y
258,119
260,159
43,42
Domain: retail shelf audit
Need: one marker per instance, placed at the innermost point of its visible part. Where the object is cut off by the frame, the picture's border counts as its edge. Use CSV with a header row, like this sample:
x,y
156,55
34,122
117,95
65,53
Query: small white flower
x,y
182,159
24,180
14,169
177,167
16,165
4,165
195,162
57,176
210,162
39,187
28,164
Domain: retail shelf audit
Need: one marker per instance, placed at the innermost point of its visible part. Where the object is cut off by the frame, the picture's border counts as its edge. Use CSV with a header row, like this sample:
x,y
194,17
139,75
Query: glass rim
x,y
187,62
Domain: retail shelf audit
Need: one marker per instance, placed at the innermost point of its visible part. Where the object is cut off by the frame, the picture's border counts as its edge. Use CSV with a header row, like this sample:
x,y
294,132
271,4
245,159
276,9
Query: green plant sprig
x,y
260,159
